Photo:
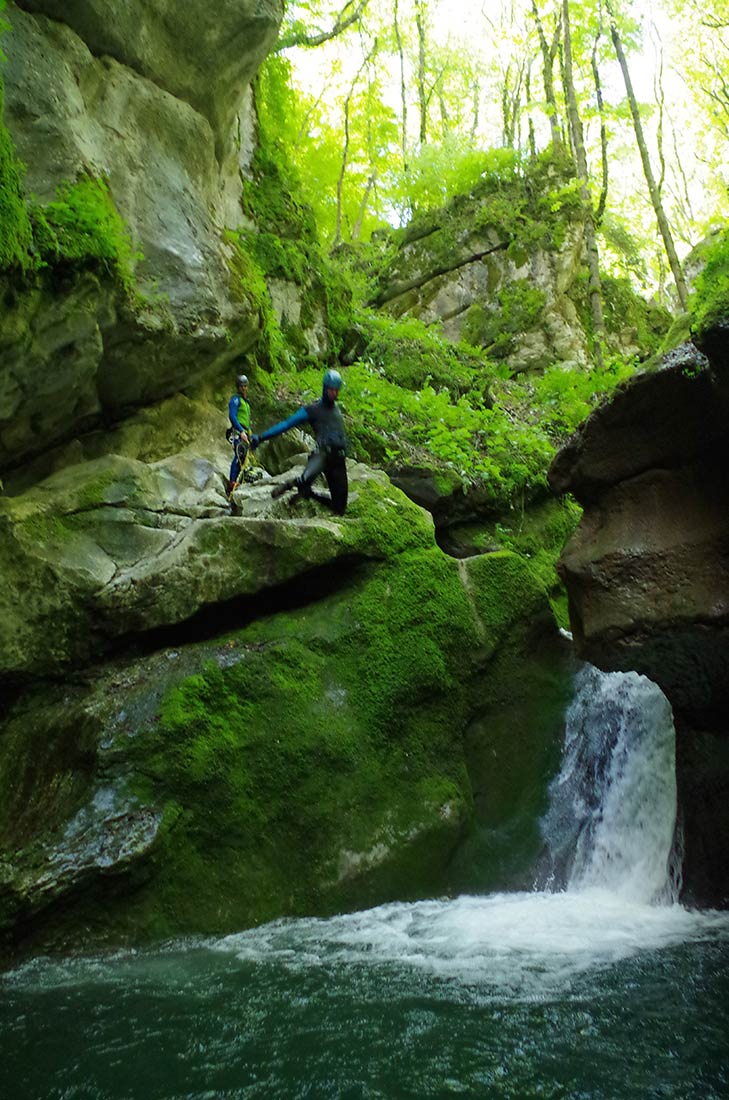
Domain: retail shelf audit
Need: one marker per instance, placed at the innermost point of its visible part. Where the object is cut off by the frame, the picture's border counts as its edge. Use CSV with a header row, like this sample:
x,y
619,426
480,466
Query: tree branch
x,y
349,14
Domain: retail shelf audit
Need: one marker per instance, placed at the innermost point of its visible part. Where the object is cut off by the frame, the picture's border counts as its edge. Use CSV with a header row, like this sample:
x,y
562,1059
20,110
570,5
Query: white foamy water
x,y
611,830
612,818
517,945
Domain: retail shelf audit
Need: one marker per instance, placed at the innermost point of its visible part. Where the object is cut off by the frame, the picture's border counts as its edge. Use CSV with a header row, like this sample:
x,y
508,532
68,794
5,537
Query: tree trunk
x,y
476,101
653,188
510,104
403,90
599,212
549,52
357,227
445,122
342,169
345,147
593,259
422,97
528,91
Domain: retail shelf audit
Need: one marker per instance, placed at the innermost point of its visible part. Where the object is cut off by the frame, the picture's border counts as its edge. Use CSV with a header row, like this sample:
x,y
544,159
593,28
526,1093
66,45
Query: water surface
x,y
600,988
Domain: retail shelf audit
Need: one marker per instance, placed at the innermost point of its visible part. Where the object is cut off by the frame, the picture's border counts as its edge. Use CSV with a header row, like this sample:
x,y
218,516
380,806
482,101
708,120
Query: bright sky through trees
x,y
470,75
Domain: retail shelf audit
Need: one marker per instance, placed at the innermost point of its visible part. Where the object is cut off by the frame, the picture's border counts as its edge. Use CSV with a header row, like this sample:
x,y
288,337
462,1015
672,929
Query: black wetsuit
x,y
329,455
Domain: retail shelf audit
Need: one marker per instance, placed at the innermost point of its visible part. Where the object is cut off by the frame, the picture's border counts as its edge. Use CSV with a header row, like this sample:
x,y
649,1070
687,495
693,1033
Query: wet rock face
x,y
153,98
647,571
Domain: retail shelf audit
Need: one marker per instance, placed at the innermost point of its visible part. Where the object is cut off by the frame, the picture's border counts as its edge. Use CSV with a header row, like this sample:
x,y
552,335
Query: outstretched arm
x,y
301,416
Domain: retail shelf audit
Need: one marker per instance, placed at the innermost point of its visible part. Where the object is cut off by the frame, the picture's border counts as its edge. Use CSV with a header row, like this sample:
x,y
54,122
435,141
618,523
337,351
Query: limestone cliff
x,y
158,104
504,268
647,571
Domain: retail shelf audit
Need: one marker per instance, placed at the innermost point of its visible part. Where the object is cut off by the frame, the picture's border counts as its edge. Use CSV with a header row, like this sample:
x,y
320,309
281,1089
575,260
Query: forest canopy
x,y
400,104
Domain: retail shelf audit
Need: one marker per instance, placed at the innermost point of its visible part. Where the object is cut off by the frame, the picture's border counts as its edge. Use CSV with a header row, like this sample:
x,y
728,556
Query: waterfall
x,y
612,817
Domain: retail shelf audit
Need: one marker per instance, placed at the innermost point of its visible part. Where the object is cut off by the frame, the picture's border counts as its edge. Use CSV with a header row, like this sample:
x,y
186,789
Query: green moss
x,y
519,308
709,302
82,227
377,522
623,308
330,731
285,243
15,230
248,284
539,535
505,589
337,731
409,620
512,752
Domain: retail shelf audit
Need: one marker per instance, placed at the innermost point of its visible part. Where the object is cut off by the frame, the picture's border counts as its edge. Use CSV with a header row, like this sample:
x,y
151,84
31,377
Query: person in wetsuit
x,y
329,455
239,433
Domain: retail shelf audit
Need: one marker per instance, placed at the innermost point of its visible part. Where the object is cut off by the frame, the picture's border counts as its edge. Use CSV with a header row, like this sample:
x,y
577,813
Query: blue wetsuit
x,y
329,456
239,412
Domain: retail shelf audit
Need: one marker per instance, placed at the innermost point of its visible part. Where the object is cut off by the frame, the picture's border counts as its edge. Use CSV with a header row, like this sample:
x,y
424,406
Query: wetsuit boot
x,y
284,487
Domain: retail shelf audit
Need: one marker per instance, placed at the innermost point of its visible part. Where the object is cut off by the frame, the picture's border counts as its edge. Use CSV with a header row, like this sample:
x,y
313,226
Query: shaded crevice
x,y
208,623
457,311
214,620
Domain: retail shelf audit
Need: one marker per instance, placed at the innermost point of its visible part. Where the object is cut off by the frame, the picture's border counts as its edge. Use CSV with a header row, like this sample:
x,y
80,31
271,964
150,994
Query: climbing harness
x,y
243,452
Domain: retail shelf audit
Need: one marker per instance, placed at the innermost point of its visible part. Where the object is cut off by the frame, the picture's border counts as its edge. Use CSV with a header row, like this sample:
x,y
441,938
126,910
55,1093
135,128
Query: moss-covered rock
x,y
116,546
15,228
709,302
314,760
497,267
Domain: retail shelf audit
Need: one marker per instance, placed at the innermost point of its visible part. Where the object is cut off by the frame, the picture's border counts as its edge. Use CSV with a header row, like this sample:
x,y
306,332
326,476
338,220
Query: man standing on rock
x,y
239,433
329,455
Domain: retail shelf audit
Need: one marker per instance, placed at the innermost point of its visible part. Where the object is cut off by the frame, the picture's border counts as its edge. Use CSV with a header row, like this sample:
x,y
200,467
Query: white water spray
x,y
612,888
611,892
612,817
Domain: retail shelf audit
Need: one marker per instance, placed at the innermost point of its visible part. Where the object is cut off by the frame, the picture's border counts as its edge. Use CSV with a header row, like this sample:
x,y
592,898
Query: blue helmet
x,y
332,381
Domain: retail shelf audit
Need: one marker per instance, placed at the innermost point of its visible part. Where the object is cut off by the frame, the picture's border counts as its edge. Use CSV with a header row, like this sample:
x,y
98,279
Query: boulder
x,y
647,570
79,355
464,277
198,58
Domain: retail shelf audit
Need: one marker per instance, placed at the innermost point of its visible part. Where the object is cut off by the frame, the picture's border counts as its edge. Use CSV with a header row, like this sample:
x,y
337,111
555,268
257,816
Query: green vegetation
x,y
412,396
82,227
624,309
284,245
710,301
15,228
518,308
502,446
411,355
337,731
